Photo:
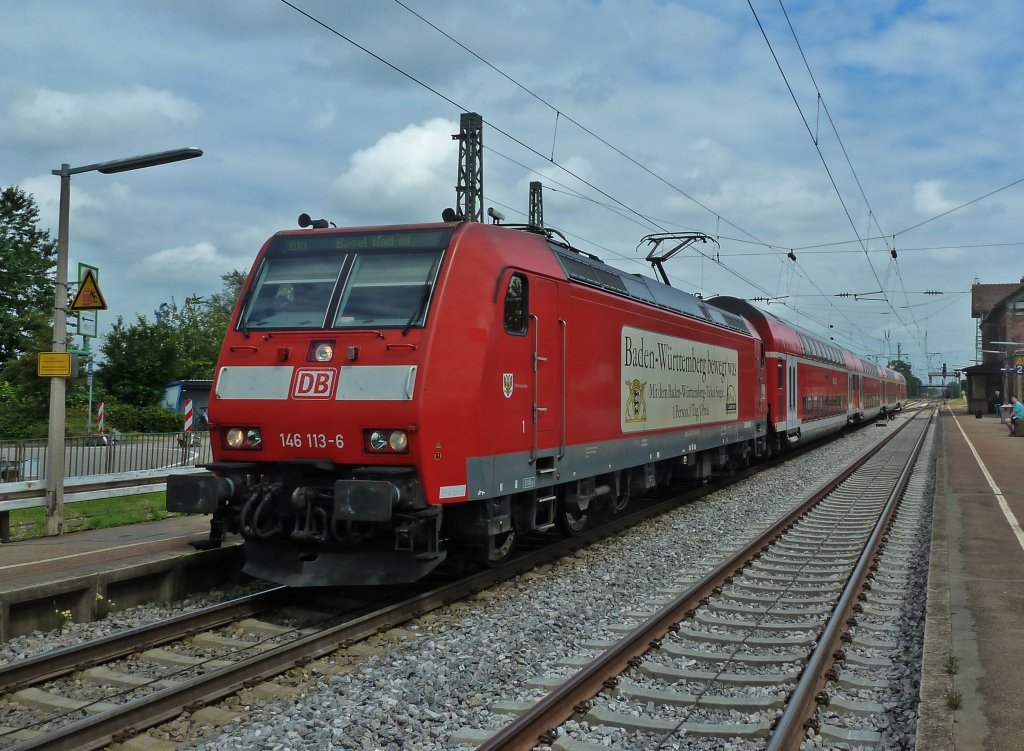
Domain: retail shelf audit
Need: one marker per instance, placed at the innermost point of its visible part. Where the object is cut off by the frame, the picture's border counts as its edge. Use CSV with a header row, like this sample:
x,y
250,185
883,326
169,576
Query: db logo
x,y
313,383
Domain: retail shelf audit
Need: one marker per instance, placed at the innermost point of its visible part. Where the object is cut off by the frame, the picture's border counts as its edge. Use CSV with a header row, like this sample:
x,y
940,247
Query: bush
x,y
20,420
130,419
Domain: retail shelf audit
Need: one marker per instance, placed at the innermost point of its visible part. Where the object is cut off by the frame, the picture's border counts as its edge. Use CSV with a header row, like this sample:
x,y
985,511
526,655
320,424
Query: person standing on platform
x,y
996,401
1017,414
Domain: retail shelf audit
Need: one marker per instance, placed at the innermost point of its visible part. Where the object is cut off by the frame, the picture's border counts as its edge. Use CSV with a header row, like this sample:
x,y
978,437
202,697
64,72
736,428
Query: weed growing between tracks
x,y
99,514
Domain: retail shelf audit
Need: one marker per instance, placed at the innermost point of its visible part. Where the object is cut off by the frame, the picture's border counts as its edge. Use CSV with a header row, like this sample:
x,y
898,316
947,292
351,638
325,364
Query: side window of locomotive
x,y
515,305
388,289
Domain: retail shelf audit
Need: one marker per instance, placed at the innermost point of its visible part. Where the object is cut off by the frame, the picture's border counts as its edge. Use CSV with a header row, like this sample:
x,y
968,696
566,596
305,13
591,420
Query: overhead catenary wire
x,y
821,155
559,113
562,167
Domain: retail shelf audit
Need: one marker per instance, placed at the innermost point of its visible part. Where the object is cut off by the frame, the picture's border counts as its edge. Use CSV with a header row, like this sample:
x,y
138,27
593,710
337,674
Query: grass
x,y
99,514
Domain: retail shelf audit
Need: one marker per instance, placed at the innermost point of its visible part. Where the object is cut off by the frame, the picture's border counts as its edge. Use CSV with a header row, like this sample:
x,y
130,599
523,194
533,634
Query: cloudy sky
x,y
836,130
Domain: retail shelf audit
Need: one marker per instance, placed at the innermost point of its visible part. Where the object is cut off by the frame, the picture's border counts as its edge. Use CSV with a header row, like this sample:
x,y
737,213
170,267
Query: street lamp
x,y
55,441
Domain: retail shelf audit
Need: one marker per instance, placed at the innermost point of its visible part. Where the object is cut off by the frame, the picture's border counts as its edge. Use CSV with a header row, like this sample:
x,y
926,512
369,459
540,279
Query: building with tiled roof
x,y
999,309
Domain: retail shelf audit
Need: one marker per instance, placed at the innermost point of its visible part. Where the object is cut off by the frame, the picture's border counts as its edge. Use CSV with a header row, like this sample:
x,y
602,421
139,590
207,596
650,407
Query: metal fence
x,y
22,461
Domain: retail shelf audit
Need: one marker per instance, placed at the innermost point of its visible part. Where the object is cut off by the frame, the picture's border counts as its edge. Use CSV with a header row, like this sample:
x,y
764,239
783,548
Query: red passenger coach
x,y
815,387
387,395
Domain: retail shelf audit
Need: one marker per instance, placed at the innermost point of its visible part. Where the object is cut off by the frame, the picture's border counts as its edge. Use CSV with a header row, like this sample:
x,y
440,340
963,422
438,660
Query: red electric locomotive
x,y
385,395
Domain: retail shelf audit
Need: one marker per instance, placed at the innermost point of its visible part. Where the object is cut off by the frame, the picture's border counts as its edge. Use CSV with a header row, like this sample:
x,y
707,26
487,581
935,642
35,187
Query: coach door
x,y
792,418
548,334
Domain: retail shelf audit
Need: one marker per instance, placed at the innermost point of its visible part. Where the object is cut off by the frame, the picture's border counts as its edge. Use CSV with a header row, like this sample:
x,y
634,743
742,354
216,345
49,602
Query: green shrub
x,y
131,419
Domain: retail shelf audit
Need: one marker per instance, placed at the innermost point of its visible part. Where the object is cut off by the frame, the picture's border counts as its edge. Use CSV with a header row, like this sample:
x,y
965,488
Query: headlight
x,y
387,441
320,351
243,438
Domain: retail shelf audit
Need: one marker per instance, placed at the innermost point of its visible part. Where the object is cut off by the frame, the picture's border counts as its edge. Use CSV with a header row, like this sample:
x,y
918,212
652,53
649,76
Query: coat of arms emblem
x,y
636,404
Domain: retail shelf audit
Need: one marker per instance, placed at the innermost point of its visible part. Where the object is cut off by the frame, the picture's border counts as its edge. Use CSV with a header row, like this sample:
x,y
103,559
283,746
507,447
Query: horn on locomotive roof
x,y
306,221
658,256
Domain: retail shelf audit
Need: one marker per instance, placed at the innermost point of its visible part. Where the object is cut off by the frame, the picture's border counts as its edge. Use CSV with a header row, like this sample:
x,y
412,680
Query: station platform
x,y
974,634
128,565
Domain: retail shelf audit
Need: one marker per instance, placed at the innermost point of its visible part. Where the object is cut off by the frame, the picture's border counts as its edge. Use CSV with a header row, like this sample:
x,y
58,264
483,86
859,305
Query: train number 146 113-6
x,y
312,440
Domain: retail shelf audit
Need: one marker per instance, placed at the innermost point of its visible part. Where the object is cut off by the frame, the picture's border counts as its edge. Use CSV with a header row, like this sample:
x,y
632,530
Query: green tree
x,y
25,396
224,301
138,360
28,260
141,358
913,382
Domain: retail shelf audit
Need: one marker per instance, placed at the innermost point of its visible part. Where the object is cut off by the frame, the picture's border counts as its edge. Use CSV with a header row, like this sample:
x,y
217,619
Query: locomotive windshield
x,y
350,280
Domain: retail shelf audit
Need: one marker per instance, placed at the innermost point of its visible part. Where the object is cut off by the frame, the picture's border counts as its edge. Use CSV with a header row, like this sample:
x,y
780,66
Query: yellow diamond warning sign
x,y
89,296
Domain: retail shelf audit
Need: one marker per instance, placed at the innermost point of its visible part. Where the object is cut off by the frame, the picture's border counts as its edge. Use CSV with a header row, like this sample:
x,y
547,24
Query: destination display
x,y
430,239
668,382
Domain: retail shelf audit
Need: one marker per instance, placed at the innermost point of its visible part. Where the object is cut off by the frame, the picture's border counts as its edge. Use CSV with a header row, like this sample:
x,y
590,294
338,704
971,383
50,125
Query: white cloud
x,y
325,118
185,262
45,116
402,170
293,119
929,200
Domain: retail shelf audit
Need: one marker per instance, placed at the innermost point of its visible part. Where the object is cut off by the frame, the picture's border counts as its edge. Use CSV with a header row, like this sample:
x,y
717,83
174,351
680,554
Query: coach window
x,y
515,305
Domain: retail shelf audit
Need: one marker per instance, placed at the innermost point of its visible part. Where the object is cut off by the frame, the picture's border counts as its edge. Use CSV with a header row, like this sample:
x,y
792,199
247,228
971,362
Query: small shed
x,y
177,393
983,381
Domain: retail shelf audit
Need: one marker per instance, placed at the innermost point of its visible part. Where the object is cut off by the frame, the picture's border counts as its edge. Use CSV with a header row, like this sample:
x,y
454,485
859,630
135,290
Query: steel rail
x,y
119,724
58,662
800,708
536,725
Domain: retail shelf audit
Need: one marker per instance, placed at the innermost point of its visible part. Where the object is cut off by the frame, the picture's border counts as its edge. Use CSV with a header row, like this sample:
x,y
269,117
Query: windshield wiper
x,y
419,309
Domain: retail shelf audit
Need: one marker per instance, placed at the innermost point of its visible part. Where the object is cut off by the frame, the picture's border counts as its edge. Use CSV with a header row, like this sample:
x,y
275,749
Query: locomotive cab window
x,y
516,305
387,290
346,280
293,293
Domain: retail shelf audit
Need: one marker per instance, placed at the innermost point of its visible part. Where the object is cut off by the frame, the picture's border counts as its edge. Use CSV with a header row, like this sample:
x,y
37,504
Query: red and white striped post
x,y
99,416
188,415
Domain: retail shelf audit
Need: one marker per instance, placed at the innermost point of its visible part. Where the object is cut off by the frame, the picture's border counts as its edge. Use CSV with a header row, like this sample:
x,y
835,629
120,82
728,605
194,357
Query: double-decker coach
x,y
815,387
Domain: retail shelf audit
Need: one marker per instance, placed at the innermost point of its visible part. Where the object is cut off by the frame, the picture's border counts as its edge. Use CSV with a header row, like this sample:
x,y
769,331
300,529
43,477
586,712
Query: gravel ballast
x,y
442,678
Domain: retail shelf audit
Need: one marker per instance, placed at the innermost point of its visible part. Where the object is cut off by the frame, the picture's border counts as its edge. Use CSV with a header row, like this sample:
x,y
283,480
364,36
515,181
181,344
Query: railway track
x,y
78,698
746,652
105,690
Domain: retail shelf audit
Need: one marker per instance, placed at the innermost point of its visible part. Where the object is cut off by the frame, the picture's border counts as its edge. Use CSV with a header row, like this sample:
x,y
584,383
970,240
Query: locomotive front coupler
x,y
375,494
204,494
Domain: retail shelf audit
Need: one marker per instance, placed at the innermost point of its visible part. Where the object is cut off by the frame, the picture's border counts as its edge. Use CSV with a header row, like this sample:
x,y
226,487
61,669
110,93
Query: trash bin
x,y
1005,410
977,413
8,470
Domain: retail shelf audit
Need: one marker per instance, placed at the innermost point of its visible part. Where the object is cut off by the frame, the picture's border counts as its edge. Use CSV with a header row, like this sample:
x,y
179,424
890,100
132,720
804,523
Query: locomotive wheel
x,y
617,503
498,549
573,522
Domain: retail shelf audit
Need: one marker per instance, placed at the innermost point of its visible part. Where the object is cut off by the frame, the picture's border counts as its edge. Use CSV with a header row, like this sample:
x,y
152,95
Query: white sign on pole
x,y
88,320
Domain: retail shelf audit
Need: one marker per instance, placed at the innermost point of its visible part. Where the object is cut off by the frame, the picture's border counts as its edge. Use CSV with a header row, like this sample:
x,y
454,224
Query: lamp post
x,y
55,441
